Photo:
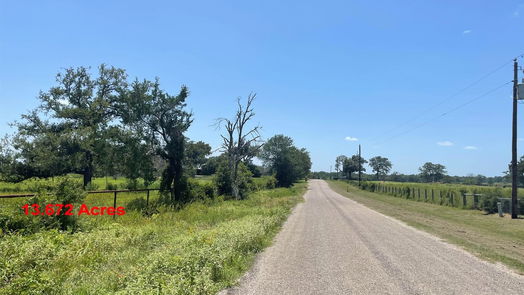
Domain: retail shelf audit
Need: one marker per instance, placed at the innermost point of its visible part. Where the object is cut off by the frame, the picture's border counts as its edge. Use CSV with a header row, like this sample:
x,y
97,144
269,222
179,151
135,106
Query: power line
x,y
447,98
446,113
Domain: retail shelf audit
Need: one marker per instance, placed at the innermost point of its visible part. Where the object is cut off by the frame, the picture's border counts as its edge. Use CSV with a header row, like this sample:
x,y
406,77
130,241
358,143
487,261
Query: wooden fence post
x,y
419,193
425,195
432,196
464,200
147,199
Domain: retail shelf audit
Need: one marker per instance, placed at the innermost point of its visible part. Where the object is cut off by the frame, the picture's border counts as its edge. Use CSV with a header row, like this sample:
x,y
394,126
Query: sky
x,y
330,74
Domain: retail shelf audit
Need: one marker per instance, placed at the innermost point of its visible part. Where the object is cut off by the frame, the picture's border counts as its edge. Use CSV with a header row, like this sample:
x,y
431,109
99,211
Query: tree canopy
x,y
380,166
432,172
286,161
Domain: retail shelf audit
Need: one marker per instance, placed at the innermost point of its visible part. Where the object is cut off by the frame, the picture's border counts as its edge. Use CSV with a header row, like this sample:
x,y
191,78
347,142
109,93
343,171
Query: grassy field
x,y
199,249
453,195
487,236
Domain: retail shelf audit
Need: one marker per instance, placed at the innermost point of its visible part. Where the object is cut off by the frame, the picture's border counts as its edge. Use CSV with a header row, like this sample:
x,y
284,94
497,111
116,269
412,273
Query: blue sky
x,y
326,72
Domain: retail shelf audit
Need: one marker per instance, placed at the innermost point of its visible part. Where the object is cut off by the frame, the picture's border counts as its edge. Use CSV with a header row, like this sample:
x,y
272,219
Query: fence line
x,y
115,192
88,192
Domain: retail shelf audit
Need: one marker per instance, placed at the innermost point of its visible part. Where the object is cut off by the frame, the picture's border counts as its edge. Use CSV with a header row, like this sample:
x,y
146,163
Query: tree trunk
x,y
88,170
235,190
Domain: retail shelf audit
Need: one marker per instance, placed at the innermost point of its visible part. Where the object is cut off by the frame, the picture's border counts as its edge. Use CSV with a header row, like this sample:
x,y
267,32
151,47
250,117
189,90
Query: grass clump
x,y
199,249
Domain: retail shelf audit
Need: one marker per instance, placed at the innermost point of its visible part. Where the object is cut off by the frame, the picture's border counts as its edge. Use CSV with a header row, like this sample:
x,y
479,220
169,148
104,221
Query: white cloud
x,y
466,32
470,147
349,138
445,143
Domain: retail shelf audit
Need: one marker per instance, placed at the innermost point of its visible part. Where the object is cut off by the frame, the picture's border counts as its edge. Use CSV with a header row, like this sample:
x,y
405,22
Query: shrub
x,y
223,180
131,183
201,191
111,186
488,202
59,191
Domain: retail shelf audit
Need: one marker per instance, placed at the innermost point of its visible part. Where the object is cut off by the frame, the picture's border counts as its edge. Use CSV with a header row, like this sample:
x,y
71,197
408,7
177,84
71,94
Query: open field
x,y
199,249
487,236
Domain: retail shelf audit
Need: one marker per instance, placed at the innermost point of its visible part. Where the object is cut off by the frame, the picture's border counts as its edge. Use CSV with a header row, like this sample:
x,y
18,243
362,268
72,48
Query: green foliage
x,y
200,249
161,119
60,191
266,182
211,165
432,172
288,163
380,166
442,194
223,180
201,190
73,141
352,165
196,154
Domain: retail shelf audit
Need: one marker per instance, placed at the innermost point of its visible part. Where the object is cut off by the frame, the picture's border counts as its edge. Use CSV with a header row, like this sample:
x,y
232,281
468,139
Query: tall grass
x,y
199,249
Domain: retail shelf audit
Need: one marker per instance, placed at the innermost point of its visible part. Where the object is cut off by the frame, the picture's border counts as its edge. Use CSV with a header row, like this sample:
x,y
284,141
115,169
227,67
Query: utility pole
x,y
359,166
514,186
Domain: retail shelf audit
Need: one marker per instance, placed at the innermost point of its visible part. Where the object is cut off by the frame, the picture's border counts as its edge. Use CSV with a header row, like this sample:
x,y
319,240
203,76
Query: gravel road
x,y
333,245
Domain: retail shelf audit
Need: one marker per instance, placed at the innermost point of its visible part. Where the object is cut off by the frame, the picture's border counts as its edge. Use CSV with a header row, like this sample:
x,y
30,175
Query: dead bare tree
x,y
238,144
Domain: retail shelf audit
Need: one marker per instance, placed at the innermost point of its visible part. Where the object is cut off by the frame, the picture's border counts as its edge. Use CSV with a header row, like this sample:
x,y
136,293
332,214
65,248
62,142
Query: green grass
x,y
98,183
487,236
200,249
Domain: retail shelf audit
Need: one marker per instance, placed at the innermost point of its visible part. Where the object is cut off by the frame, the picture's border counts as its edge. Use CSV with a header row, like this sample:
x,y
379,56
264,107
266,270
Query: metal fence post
x,y
114,204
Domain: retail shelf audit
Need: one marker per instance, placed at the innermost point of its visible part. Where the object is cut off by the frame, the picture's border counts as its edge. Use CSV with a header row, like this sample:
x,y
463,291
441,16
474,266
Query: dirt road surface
x,y
333,245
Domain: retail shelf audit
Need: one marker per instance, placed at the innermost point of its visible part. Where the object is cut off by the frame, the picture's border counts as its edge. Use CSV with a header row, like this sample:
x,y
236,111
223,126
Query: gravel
x,y
333,245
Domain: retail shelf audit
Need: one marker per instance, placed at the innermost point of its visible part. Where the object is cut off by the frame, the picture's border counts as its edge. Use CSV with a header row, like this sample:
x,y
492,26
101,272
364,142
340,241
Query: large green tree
x,y
380,166
286,161
196,154
352,165
67,132
162,120
431,172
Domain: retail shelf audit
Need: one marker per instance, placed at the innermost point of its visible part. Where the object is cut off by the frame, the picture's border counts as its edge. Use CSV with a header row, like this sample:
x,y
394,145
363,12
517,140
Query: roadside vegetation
x,y
487,236
452,195
193,231
199,249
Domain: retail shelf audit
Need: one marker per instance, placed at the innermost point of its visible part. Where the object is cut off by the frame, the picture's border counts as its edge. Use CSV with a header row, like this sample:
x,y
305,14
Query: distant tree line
x,y
346,167
107,125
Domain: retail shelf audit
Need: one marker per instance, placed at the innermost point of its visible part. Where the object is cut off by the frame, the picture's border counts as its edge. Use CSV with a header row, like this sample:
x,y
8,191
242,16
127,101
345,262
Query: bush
x,y
111,186
266,182
223,180
201,191
59,191
91,186
489,199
